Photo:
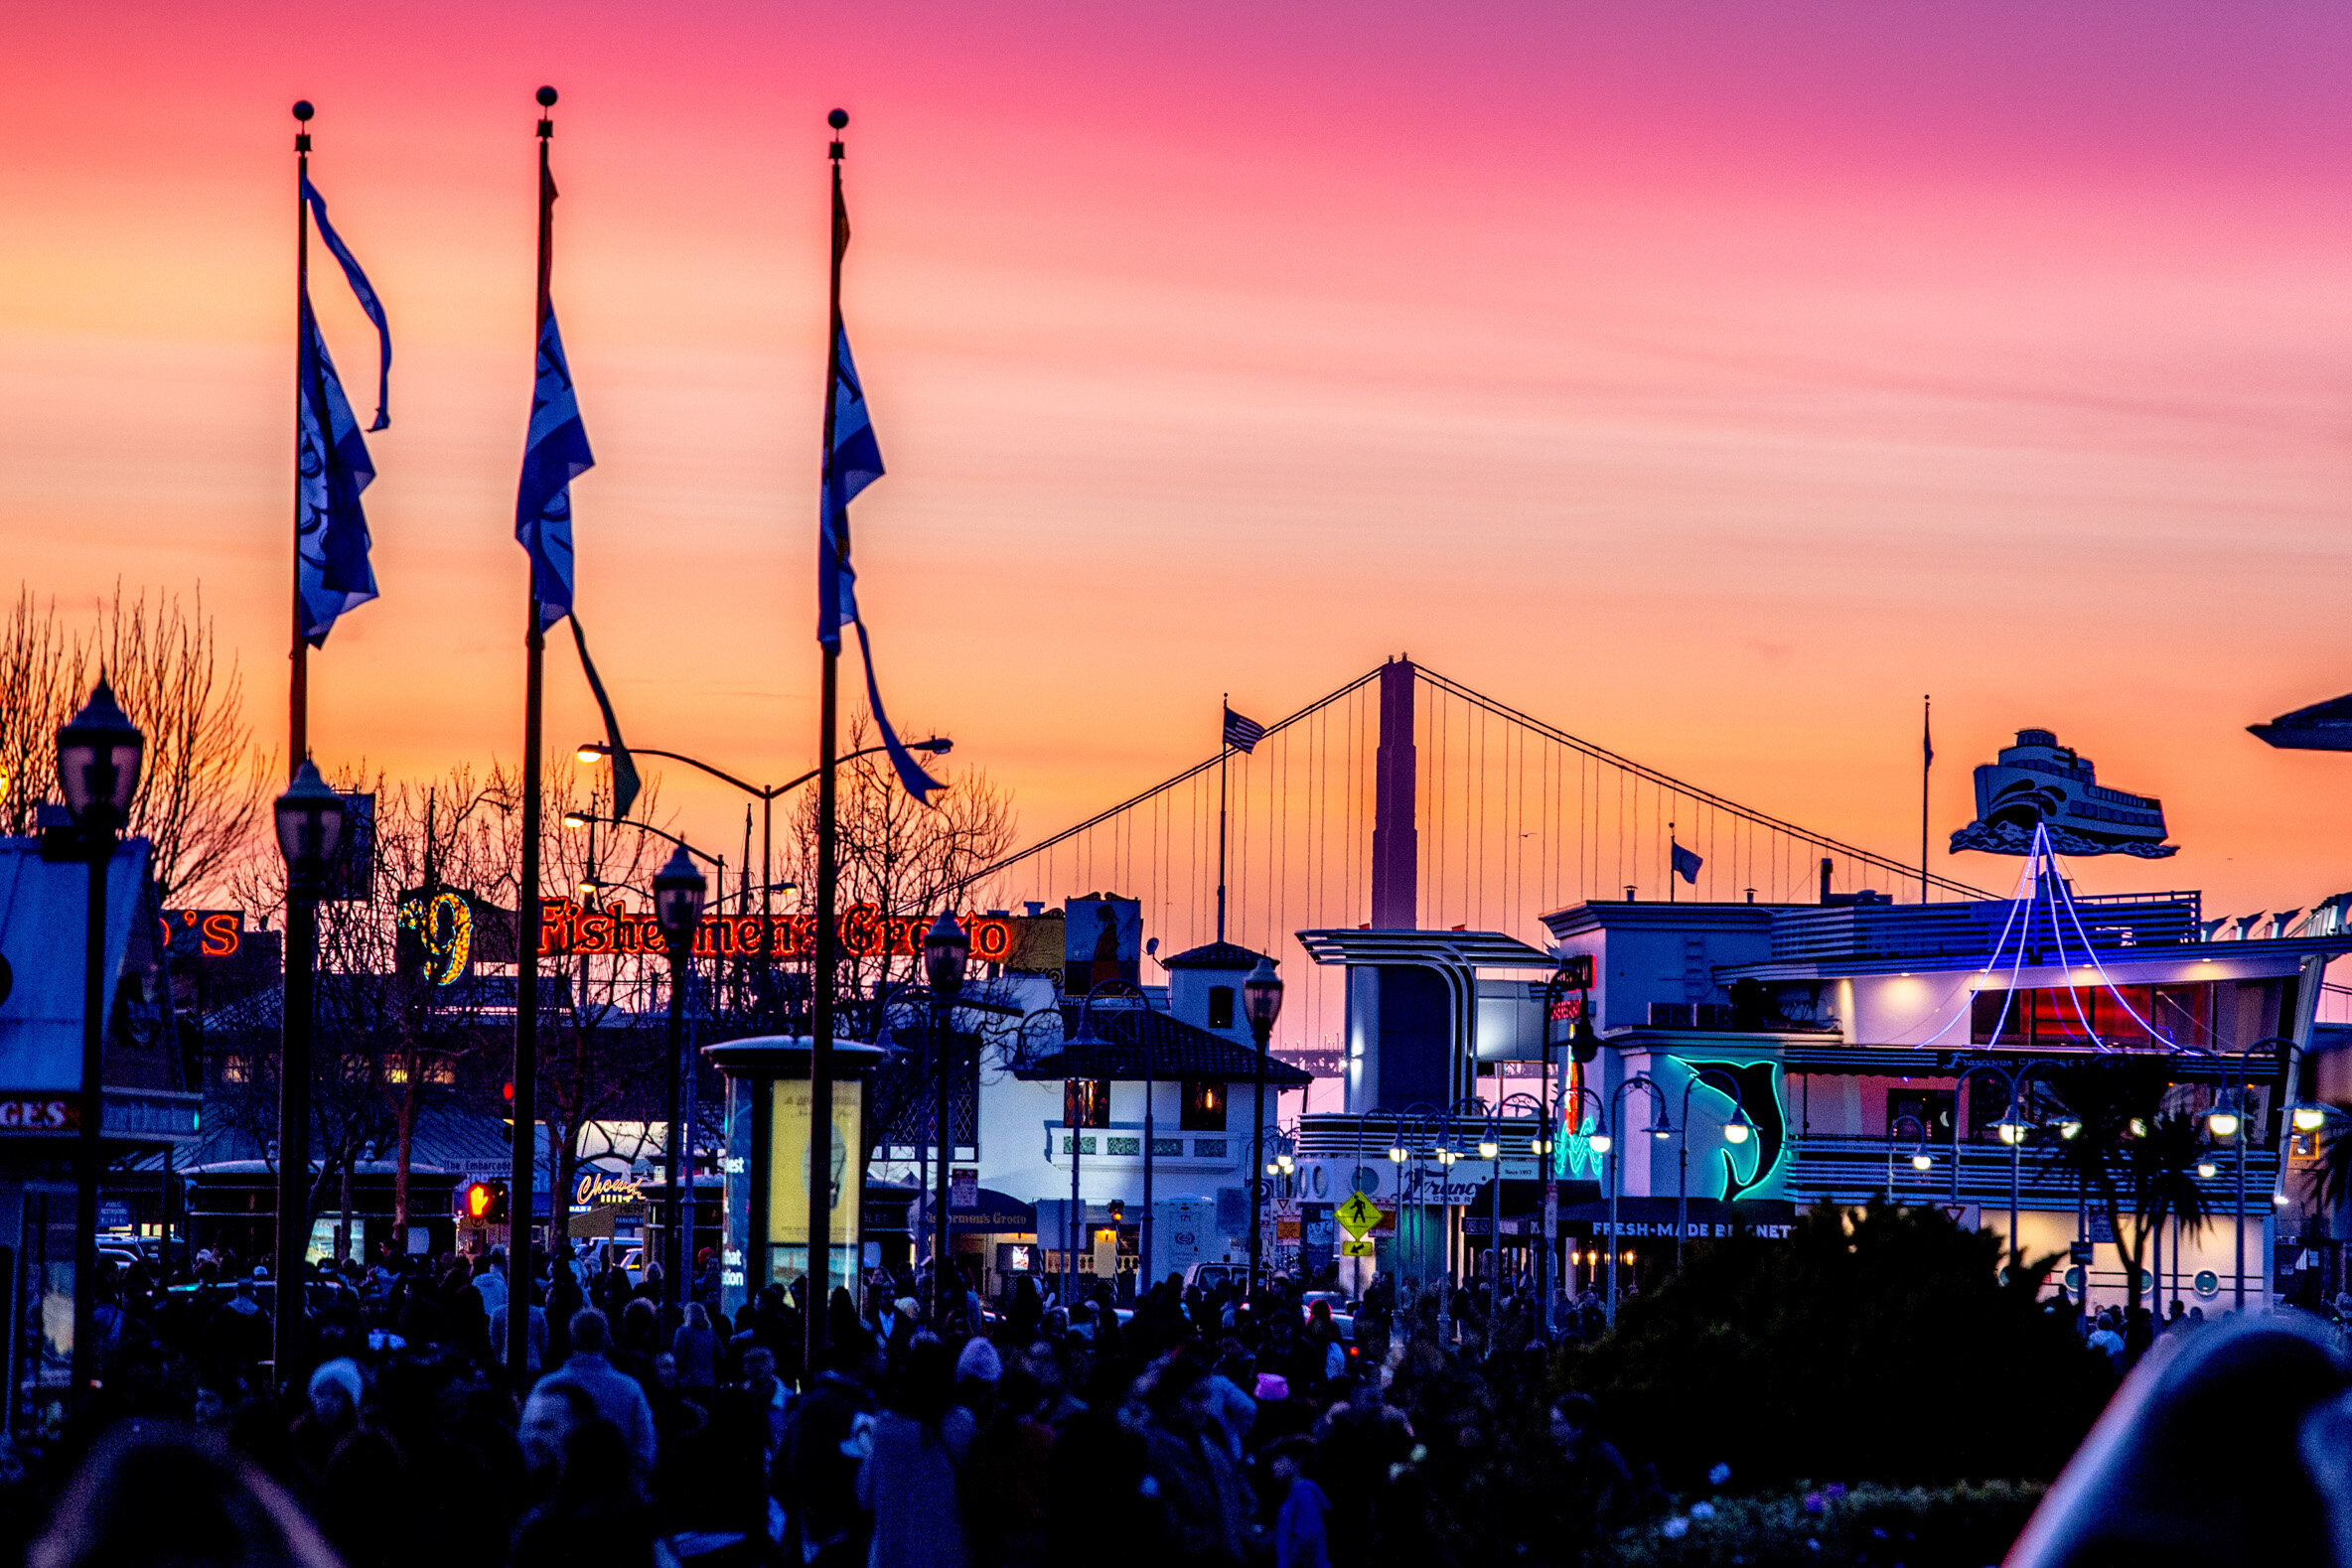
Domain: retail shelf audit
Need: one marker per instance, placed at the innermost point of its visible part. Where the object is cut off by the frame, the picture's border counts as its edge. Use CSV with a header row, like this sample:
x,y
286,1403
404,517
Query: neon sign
x,y
207,933
571,929
442,927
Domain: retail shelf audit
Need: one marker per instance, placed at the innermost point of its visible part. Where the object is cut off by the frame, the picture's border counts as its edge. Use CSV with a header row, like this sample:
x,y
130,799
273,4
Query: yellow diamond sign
x,y
1356,1215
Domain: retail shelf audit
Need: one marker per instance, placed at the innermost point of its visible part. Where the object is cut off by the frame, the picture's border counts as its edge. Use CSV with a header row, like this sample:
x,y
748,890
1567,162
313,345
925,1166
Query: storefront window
x,y
1205,1101
1086,1102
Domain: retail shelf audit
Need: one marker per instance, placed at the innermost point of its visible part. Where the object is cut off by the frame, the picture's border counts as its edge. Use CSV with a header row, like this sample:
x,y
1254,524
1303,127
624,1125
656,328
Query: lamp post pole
x,y
99,758
944,949
1261,999
309,822
1734,1131
678,889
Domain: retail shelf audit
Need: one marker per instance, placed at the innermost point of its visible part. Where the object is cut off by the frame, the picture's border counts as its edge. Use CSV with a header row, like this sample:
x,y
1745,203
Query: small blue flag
x,y
332,570
553,455
854,459
1687,864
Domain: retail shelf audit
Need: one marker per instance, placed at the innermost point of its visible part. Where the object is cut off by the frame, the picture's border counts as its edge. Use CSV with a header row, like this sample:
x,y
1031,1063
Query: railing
x,y
1336,1136
1972,931
1853,1170
1123,1140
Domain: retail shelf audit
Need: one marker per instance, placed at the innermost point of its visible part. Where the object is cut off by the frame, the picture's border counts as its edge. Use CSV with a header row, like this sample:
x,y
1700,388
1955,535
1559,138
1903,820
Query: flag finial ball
x,y
547,98
302,110
837,119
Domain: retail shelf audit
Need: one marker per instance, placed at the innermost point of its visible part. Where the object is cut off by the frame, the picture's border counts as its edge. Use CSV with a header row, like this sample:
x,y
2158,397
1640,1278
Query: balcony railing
x,y
1853,1169
1123,1140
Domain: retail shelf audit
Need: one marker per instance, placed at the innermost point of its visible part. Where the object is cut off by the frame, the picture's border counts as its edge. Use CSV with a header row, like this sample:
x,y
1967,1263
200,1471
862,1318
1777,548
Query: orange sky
x,y
1711,382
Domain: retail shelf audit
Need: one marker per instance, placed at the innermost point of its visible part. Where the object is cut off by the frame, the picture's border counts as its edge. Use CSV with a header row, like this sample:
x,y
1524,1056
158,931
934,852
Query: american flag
x,y
1241,734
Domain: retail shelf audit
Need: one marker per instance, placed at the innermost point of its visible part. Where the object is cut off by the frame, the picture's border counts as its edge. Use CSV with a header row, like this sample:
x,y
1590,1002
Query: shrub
x,y
1870,1526
1877,1346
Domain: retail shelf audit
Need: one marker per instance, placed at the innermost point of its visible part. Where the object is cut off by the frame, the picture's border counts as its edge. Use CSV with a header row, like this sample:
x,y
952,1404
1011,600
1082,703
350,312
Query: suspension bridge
x,y
1405,799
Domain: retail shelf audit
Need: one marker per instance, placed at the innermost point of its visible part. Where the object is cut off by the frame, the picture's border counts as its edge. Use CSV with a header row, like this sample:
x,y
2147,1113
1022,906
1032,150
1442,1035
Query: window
x,y
1086,1102
1913,1113
1204,1105
1220,1008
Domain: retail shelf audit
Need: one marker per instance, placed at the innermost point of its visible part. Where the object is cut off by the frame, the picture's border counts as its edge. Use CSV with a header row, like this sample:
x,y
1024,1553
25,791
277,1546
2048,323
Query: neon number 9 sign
x,y
444,928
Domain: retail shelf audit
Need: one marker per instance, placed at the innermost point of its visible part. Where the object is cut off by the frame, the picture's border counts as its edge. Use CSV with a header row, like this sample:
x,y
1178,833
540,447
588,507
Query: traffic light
x,y
485,1202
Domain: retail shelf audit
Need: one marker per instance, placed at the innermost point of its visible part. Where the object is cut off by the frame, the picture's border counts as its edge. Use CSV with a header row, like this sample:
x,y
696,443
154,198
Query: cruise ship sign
x,y
2038,783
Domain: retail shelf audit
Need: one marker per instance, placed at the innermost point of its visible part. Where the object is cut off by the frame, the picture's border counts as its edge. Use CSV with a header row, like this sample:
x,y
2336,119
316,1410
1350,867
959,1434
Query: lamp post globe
x,y
678,889
1735,1131
946,947
1261,999
100,755
2223,1120
309,818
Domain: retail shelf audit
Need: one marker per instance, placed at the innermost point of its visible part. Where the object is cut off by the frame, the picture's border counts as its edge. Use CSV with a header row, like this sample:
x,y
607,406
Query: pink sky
x,y
1709,380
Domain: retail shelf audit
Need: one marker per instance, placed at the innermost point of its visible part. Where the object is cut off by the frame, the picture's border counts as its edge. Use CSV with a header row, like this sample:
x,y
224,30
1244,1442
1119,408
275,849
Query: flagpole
x,y
1927,762
523,1173
1224,750
298,678
827,956
1674,872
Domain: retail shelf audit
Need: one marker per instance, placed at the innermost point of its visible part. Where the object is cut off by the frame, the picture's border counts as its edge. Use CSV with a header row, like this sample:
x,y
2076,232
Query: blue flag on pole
x,y
1687,864
852,461
332,569
553,455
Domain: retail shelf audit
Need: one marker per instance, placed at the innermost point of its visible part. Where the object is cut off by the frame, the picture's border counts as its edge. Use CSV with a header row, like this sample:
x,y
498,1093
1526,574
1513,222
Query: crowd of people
x,y
1198,1428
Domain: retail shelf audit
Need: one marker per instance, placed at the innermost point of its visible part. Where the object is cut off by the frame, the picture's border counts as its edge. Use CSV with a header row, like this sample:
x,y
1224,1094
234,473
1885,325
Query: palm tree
x,y
2131,1158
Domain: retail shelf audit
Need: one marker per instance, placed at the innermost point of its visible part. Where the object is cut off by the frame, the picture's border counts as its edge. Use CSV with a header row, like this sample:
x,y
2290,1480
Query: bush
x,y
1881,1346
1870,1526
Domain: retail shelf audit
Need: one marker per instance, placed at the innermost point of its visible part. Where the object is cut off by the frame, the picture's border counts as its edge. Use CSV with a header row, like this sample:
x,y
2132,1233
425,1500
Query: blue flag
x,y
553,455
332,569
852,461
1687,864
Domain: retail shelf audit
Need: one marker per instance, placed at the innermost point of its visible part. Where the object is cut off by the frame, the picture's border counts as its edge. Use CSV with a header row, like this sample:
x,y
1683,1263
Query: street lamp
x,y
99,755
591,752
678,888
2227,1121
1660,1128
1261,1003
1736,1132
944,949
310,821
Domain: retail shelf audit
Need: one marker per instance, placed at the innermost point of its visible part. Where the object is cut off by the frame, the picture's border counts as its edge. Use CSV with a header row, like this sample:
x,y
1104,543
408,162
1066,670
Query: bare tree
x,y
204,790
40,688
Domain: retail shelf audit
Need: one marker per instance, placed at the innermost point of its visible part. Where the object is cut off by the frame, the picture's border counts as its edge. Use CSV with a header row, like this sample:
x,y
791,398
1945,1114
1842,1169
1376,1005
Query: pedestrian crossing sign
x,y
1358,1246
1358,1214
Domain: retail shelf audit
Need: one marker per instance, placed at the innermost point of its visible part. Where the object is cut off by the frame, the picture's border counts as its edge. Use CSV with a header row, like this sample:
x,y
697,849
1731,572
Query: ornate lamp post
x,y
100,755
678,889
1261,1002
310,830
944,949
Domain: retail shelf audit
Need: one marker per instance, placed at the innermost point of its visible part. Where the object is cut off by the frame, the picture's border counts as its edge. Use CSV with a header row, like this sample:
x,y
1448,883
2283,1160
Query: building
x,y
1759,1059
148,1107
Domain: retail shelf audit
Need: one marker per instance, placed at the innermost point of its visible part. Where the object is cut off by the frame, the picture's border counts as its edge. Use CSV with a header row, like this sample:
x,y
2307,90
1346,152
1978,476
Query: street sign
x,y
1964,1216
964,1187
2102,1225
2079,1253
1358,1214
1360,1247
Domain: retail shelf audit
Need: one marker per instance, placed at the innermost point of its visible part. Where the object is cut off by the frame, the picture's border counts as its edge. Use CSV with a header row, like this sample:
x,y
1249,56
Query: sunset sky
x,y
1710,380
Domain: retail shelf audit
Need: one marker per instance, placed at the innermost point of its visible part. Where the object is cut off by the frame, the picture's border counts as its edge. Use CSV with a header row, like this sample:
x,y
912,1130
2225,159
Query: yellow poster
x,y
788,1165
